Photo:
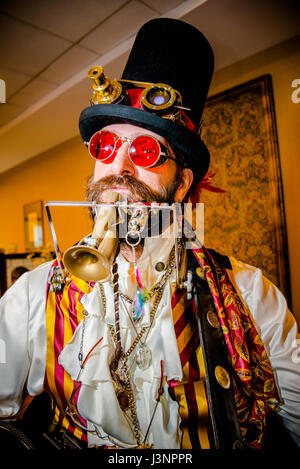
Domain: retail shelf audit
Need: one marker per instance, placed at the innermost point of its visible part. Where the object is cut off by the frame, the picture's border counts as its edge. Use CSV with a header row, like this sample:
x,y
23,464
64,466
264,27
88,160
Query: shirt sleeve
x,y
278,330
22,340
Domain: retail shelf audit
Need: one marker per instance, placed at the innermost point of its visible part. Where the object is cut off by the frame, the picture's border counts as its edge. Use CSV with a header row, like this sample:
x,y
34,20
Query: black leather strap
x,y
225,425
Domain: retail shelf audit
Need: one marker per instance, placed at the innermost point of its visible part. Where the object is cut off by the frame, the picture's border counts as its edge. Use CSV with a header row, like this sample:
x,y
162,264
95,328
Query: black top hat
x,y
171,52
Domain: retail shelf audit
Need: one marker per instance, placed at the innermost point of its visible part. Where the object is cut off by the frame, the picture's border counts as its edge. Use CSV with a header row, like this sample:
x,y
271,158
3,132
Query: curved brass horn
x,y
92,263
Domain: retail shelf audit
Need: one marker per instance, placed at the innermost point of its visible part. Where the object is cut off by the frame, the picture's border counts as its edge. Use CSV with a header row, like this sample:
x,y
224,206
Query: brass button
x,y
222,376
160,266
200,273
213,319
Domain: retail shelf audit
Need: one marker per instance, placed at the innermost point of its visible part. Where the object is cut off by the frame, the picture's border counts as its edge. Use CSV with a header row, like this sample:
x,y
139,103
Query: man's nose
x,y
122,164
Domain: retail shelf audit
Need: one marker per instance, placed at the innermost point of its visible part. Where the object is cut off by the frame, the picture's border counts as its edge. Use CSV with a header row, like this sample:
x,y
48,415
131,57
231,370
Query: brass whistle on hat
x,y
157,98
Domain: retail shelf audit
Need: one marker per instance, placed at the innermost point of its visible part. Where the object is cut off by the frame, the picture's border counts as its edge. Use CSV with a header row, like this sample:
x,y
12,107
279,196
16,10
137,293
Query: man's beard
x,y
138,191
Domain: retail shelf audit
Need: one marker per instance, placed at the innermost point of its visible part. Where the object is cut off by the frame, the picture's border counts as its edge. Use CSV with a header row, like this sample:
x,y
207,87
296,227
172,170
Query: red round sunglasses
x,y
144,151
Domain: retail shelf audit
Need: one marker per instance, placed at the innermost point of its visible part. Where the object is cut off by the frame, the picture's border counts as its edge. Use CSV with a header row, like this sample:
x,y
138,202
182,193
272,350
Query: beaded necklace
x,y
120,370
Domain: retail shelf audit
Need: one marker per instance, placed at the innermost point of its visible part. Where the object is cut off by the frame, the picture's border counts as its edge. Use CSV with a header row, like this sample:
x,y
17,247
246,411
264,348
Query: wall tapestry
x,y
247,221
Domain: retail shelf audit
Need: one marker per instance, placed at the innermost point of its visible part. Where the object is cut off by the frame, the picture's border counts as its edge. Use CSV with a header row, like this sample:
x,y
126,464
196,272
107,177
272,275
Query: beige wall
x,y
60,174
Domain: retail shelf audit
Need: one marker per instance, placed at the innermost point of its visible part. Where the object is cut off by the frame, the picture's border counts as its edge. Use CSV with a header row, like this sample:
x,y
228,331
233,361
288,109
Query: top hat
x,y
170,60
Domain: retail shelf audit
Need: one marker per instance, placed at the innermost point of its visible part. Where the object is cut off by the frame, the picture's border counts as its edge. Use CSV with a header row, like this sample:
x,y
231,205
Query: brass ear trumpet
x,y
92,262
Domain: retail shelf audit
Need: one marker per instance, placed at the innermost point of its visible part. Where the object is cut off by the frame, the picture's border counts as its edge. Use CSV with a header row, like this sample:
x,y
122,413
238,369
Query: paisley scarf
x,y
254,386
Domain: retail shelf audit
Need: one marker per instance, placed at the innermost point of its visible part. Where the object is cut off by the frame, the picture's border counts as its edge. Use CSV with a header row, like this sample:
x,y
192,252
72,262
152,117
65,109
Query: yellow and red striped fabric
x,y
190,393
63,314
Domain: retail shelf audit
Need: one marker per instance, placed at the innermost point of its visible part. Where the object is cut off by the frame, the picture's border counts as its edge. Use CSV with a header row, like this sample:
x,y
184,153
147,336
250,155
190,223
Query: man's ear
x,y
187,177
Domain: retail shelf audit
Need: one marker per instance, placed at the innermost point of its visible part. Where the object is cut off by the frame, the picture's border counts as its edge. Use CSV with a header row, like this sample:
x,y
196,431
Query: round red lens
x,y
102,145
144,151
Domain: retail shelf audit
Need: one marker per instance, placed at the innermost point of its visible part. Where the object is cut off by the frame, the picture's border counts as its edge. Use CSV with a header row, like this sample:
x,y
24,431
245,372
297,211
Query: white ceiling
x,y
47,46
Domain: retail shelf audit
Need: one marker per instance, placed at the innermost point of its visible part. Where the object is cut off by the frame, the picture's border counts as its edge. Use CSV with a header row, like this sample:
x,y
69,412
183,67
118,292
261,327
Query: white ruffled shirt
x,y
97,401
23,349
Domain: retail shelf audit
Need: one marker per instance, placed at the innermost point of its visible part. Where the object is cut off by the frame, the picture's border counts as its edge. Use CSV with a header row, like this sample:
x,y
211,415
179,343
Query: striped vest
x,y
64,312
241,387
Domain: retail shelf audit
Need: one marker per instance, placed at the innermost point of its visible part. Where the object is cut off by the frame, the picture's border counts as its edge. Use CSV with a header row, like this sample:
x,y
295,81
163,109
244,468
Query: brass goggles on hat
x,y
157,98
144,150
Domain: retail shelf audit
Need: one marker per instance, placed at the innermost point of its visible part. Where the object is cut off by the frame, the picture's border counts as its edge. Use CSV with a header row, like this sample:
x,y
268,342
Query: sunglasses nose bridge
x,y
125,139
120,140
122,162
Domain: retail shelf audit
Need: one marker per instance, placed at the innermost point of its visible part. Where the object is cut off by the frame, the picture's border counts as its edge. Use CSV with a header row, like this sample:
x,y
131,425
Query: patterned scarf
x,y
254,385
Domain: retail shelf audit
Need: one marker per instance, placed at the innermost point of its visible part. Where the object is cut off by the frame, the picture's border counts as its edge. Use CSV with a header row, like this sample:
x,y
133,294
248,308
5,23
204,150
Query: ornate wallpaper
x,y
247,221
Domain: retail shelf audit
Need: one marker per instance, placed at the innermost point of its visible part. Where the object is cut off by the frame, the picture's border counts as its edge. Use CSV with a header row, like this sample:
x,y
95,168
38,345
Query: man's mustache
x,y
138,191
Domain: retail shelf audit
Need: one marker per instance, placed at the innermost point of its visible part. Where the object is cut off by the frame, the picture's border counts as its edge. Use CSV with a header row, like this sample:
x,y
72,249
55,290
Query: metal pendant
x,y
123,399
143,357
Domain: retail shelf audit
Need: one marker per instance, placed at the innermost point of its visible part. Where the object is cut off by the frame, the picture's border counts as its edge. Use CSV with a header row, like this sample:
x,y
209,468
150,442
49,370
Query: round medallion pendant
x,y
143,357
123,400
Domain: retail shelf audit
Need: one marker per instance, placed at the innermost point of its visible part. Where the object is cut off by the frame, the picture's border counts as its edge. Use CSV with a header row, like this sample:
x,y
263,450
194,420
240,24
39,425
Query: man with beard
x,y
169,183
139,361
